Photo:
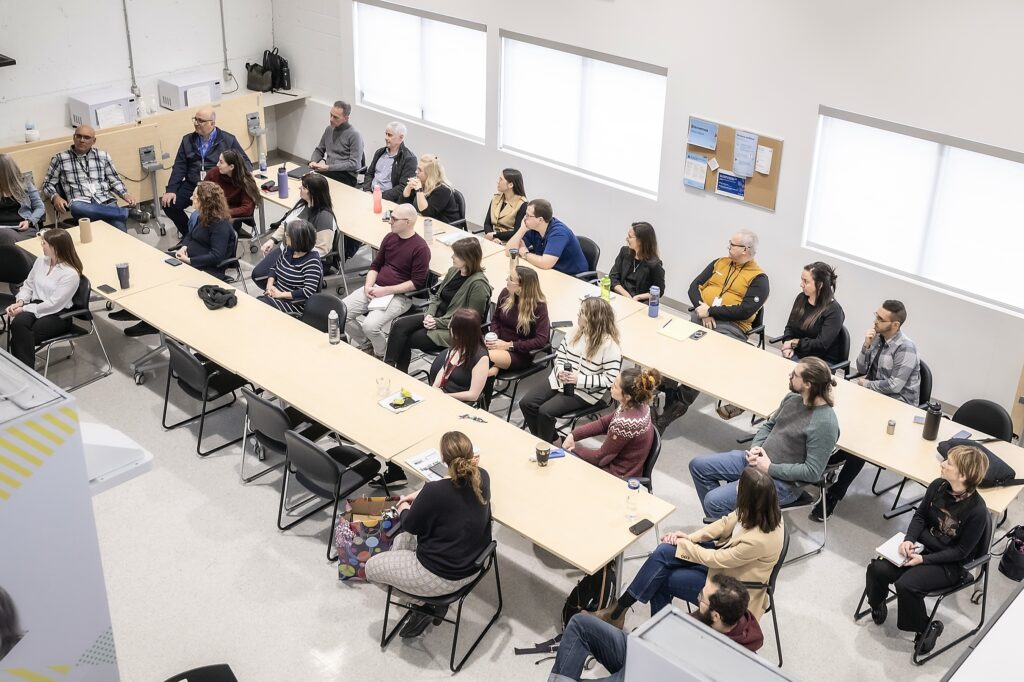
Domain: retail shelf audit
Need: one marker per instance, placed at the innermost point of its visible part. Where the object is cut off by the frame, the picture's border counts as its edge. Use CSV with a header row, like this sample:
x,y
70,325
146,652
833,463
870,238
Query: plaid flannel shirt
x,y
89,177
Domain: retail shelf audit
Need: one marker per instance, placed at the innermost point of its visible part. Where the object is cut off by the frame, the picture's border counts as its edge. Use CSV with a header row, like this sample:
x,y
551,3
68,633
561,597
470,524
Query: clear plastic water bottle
x,y
428,230
632,499
654,302
606,288
333,328
263,162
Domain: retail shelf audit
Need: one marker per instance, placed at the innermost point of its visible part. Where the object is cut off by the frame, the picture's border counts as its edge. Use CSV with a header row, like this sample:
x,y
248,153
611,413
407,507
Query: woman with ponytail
x,y
628,430
445,524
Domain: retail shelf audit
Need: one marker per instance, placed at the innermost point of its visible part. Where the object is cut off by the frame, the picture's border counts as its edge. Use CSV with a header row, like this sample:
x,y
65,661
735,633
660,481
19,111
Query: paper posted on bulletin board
x,y
730,162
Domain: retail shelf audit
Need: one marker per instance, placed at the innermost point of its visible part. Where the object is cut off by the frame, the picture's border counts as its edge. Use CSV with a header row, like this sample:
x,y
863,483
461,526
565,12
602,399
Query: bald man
x,y
197,153
84,180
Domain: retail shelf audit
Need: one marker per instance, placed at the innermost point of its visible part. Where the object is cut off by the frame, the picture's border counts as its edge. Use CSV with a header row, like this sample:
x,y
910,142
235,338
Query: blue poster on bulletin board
x,y
730,185
703,134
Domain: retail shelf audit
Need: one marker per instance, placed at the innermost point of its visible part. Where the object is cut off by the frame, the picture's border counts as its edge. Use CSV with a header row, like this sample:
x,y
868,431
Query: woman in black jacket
x,y
815,323
430,192
637,267
947,529
445,524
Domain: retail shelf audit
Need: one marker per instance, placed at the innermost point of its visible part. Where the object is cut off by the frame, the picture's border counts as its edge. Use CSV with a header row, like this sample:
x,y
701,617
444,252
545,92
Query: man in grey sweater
x,y
793,446
340,152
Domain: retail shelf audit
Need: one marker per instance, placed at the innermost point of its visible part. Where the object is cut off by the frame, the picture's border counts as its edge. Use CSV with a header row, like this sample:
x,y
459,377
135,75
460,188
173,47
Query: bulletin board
x,y
760,189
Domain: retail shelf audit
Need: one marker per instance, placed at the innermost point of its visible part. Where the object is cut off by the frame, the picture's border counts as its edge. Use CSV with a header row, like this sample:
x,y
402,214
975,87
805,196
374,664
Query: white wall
x,y
764,66
65,47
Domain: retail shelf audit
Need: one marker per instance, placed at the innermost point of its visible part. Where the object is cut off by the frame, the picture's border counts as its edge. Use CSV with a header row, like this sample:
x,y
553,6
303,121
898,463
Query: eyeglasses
x,y
197,120
737,246
393,219
878,318
83,138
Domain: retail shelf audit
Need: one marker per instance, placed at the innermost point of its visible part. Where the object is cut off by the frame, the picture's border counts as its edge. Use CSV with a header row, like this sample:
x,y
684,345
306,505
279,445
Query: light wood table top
x,y
336,385
570,508
110,246
563,293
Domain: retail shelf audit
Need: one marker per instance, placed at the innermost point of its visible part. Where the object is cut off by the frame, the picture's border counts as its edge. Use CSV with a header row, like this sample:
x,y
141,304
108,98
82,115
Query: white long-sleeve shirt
x,y
55,289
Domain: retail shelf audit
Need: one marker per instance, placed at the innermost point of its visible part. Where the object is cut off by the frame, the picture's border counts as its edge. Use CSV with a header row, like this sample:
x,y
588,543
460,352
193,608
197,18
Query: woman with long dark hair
x,y
462,371
508,207
48,291
816,320
237,183
638,266
314,206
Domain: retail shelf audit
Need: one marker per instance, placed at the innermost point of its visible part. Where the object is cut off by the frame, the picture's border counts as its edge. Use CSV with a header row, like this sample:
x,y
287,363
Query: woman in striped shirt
x,y
298,273
586,364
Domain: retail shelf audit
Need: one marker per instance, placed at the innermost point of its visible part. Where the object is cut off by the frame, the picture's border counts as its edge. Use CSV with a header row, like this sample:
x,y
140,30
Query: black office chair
x,y
978,561
15,264
807,501
592,252
757,328
510,378
201,380
334,264
570,419
266,423
79,312
487,560
844,349
233,262
331,475
646,480
769,587
460,204
987,417
220,672
318,308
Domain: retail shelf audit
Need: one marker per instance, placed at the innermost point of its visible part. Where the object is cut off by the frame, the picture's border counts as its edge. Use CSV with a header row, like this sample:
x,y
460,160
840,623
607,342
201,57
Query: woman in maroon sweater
x,y
239,187
628,430
520,321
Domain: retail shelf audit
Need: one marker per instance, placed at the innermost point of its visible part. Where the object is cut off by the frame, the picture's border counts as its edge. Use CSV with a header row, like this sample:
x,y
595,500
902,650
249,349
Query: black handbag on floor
x,y
1012,563
592,593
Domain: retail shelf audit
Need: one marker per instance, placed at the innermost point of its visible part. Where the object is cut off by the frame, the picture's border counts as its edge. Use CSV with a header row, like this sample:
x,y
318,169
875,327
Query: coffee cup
x,y
490,337
122,274
543,453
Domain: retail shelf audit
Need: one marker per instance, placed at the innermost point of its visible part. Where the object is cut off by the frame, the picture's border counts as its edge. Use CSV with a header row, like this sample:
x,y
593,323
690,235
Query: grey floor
x,y
198,573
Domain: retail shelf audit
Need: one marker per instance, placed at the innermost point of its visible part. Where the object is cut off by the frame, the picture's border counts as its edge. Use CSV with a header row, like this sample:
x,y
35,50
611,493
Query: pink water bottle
x,y
377,208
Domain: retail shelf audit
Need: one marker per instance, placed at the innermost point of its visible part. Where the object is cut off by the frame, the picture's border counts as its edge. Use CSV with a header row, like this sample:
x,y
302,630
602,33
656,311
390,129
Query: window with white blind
x,y
421,66
595,114
920,205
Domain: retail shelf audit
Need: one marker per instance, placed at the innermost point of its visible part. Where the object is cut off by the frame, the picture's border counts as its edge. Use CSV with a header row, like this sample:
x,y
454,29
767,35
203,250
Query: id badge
x,y
91,188
717,302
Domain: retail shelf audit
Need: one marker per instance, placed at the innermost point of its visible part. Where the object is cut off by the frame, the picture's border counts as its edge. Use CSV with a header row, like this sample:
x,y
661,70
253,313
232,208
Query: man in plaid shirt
x,y
90,183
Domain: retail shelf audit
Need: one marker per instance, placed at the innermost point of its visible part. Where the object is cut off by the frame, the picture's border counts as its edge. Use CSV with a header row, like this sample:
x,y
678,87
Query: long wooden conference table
x,y
736,372
337,385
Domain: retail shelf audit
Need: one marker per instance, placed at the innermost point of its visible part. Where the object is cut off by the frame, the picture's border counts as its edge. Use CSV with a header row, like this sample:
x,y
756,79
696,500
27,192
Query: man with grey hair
x,y
197,153
340,152
726,297
392,165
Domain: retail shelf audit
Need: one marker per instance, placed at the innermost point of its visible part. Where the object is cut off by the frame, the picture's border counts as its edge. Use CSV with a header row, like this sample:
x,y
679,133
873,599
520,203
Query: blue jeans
x,y
586,636
112,213
718,499
664,576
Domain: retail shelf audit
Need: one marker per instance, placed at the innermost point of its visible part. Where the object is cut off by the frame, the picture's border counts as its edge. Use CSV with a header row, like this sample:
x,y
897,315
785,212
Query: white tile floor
x,y
198,573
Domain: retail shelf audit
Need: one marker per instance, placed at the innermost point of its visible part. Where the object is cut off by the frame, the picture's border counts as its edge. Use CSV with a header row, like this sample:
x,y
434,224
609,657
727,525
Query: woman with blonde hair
x,y
520,321
628,431
445,524
586,364
430,192
21,208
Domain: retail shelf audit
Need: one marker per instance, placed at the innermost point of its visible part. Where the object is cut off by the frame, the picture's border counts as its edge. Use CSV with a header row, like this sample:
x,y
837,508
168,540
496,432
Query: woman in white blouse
x,y
49,289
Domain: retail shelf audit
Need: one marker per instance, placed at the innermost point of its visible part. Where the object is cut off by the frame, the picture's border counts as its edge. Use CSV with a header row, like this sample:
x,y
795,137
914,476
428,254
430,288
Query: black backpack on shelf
x,y
281,77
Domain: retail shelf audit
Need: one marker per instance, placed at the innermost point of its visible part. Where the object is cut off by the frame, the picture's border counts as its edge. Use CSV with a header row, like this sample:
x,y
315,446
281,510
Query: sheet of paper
x,y
703,133
743,154
380,302
674,328
730,185
713,163
110,115
695,172
423,461
890,549
763,164
197,95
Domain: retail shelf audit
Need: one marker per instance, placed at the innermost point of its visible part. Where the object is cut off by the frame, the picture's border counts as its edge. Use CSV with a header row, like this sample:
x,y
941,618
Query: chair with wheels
x,y
221,672
592,252
265,424
200,380
484,563
978,561
769,587
330,475
79,312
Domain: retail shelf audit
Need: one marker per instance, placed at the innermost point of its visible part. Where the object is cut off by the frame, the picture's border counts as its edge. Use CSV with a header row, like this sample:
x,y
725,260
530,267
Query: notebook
x,y
890,549
380,302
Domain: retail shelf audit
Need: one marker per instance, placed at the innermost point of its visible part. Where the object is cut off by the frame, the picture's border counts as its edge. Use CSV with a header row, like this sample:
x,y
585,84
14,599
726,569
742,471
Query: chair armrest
x,y
645,482
590,276
754,585
488,552
756,330
460,223
72,313
776,339
855,375
844,365
561,324
541,360
980,561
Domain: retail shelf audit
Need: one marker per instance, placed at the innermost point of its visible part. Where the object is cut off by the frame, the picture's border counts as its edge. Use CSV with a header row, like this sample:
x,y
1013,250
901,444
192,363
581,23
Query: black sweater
x,y
949,530
648,273
450,525
822,339
441,205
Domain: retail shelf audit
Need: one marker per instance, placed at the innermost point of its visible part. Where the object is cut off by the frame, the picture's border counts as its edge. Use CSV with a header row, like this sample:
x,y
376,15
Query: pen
x,y
666,324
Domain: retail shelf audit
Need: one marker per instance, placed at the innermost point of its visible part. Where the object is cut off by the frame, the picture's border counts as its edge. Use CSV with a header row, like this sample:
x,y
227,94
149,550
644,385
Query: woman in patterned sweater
x,y
586,364
298,273
628,430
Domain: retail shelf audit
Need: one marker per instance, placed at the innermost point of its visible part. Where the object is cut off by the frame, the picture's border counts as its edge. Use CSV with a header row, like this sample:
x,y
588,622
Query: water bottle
x,y
282,182
377,206
428,230
632,499
263,162
152,105
31,134
932,417
654,302
606,288
333,328
568,389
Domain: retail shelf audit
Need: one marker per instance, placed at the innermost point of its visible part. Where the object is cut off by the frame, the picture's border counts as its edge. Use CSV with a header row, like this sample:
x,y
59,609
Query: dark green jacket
x,y
474,293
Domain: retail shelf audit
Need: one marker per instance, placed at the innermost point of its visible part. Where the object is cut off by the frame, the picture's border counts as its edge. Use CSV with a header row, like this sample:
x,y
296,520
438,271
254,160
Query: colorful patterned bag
x,y
366,527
